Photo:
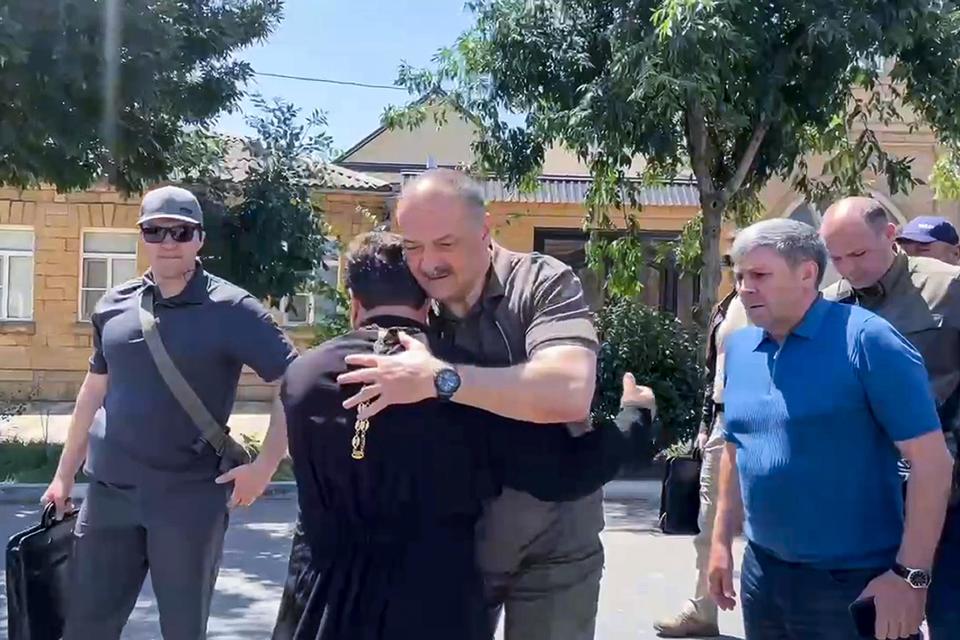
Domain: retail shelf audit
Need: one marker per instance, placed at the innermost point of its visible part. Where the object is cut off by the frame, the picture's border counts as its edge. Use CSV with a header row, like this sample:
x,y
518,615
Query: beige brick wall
x,y
50,353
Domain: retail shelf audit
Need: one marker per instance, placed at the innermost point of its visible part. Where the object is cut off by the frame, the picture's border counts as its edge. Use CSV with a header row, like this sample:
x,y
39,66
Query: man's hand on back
x,y
402,378
249,482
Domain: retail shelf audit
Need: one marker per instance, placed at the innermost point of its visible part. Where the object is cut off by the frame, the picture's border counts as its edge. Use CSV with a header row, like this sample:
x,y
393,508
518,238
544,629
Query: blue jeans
x,y
789,601
943,601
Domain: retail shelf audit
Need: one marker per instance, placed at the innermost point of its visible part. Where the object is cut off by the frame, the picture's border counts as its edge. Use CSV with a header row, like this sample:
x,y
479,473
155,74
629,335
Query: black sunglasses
x,y
180,233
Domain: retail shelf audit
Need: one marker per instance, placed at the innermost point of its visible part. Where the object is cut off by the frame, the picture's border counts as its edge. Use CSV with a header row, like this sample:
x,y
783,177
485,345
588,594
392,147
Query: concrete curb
x,y
30,494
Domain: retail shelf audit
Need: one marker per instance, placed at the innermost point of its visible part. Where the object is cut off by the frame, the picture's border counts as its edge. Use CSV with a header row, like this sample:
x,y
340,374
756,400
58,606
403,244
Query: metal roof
x,y
573,190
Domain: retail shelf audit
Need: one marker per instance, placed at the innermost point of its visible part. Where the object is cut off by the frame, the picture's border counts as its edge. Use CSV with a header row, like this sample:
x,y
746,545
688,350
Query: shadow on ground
x,y
248,589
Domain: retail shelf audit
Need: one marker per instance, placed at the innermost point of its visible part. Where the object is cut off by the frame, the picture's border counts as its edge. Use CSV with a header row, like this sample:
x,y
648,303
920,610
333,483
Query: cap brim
x,y
922,238
166,216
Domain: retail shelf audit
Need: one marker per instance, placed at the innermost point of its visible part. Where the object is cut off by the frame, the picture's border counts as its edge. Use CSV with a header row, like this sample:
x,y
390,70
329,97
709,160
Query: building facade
x,y
59,253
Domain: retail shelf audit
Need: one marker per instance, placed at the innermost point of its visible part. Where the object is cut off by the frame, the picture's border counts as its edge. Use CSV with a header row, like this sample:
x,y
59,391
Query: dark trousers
x,y
788,601
542,563
177,533
943,601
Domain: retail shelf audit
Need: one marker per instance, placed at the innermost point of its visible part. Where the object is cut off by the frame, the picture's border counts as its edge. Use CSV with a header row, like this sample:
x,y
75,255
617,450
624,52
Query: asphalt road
x,y
647,575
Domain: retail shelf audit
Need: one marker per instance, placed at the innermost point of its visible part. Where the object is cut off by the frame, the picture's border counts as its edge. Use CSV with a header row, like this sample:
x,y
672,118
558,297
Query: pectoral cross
x,y
360,434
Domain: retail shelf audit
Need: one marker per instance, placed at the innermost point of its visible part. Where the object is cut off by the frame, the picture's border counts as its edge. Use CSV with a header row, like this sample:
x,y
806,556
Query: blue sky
x,y
355,40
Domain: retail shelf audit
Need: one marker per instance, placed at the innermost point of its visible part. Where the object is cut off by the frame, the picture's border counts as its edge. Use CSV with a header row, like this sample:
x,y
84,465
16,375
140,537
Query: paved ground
x,y
647,575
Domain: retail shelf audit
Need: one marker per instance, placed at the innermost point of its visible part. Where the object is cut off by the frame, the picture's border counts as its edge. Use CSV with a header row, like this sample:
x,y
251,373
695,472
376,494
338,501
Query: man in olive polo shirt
x,y
920,297
156,499
523,317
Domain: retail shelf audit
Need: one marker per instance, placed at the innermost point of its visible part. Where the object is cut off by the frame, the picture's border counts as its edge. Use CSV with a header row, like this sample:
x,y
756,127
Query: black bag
x,y
680,496
38,574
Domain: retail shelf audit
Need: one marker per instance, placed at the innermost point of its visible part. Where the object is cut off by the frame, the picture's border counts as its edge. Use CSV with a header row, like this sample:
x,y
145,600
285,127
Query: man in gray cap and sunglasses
x,y
168,351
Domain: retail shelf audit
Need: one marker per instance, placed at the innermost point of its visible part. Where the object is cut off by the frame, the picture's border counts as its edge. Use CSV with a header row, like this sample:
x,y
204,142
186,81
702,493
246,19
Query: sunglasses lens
x,y
153,235
181,234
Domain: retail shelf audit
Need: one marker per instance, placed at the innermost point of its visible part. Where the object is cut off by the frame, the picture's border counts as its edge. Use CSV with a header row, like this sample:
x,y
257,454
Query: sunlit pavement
x,y
647,575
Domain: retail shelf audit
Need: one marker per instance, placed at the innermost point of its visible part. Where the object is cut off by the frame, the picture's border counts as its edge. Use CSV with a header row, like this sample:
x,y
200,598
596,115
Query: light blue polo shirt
x,y
814,422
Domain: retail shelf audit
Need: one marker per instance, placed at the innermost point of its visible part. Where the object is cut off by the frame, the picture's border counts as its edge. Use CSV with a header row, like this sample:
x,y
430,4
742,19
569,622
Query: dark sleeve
x,y
708,411
299,444
258,342
631,418
98,363
560,312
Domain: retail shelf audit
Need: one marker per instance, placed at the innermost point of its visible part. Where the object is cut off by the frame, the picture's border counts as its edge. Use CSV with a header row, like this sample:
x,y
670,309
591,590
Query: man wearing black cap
x,y
930,237
168,350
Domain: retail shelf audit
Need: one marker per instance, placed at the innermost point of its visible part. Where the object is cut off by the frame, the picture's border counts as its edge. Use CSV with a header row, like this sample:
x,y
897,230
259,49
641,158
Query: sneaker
x,y
686,625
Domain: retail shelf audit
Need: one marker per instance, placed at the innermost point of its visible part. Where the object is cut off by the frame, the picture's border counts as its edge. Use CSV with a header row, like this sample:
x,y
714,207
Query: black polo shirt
x,y
211,329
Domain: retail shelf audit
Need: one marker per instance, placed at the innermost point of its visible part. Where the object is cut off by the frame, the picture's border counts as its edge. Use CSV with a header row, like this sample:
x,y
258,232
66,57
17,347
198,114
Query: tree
x,y
734,92
265,232
104,88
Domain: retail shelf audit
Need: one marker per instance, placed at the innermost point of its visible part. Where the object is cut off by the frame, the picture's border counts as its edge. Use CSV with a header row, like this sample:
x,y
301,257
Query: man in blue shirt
x,y
821,400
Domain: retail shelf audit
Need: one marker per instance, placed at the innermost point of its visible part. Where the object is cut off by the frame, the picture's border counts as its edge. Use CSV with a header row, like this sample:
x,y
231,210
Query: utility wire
x,y
329,81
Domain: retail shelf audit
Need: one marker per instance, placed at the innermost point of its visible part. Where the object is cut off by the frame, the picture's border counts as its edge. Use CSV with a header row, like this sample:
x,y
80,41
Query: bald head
x,y
860,239
858,210
448,183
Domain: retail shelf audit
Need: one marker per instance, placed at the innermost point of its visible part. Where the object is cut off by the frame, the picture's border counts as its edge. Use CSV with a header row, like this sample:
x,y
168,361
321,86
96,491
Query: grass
x,y
28,461
36,462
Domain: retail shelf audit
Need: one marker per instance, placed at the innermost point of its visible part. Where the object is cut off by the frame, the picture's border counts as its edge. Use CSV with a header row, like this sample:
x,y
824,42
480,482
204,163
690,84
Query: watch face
x,y
919,579
448,381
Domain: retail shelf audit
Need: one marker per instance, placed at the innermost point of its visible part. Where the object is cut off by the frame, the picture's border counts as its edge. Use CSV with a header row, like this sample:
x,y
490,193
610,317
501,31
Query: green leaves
x,y
662,353
265,232
734,91
945,178
104,88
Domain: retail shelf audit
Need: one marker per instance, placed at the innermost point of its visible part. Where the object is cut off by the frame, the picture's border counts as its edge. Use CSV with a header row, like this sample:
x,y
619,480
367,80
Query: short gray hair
x,y
455,182
795,241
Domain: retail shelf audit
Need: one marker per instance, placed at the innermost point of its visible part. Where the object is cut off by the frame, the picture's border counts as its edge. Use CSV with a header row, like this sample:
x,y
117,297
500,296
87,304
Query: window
x,y
109,259
16,274
664,287
304,308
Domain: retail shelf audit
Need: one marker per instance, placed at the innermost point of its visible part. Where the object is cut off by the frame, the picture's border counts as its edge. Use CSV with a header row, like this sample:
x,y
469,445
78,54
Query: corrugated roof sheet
x,y
573,190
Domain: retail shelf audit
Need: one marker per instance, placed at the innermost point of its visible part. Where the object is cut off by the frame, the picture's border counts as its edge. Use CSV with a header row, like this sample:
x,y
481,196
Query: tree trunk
x,y
711,206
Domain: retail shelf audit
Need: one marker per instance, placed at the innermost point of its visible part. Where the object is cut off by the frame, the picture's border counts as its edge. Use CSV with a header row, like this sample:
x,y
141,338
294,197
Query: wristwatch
x,y
916,578
447,382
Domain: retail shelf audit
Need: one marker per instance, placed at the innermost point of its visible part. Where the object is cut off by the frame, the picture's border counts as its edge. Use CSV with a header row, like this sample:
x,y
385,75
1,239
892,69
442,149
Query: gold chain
x,y
360,434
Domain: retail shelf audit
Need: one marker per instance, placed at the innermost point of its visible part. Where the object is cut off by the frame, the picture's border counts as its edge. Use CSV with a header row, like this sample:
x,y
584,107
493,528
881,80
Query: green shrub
x,y
663,354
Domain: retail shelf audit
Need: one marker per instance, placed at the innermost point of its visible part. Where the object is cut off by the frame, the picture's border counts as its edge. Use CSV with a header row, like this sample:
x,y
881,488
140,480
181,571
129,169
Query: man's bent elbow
x,y
572,371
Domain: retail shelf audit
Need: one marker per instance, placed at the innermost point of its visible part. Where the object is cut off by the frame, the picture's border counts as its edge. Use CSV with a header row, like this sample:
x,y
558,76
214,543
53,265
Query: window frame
x,y
5,255
109,257
669,294
332,263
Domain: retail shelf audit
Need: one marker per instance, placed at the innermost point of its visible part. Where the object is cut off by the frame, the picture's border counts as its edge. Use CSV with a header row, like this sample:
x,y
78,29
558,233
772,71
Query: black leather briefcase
x,y
680,495
38,562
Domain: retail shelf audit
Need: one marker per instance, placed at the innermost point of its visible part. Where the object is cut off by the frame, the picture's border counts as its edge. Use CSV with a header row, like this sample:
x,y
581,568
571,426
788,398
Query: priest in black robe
x,y
384,546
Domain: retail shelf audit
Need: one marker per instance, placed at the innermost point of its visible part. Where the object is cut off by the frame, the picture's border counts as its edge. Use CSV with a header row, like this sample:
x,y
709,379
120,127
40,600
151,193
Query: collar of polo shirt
x,y
193,293
808,327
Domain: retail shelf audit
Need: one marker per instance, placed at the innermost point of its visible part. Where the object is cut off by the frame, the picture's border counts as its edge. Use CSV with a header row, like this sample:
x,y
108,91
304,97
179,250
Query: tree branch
x,y
699,144
736,180
777,74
